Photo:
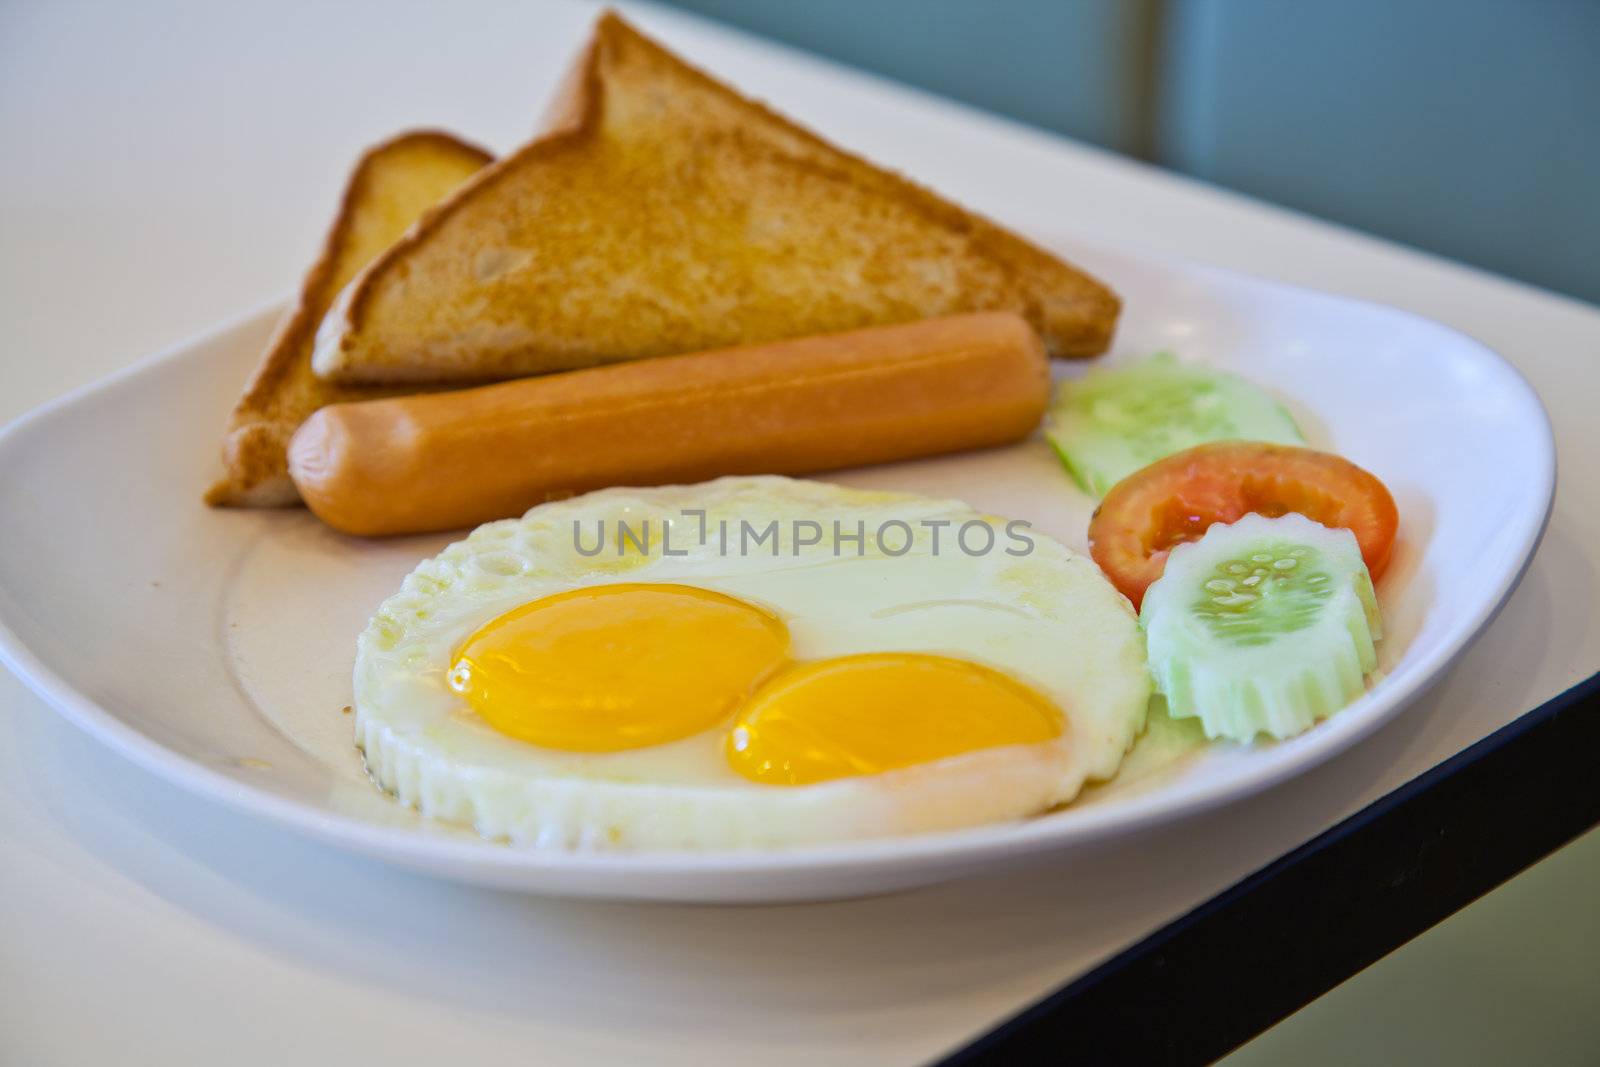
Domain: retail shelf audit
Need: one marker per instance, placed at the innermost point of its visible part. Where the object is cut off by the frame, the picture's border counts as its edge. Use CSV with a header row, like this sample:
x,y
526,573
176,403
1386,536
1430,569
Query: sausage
x,y
438,461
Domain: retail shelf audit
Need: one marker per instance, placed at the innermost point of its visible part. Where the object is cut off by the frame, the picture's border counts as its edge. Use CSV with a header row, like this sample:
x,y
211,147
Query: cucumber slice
x,y
1262,626
1111,422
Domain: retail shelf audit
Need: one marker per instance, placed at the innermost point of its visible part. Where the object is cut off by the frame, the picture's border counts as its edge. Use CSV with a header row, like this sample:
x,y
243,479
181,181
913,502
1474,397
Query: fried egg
x,y
747,663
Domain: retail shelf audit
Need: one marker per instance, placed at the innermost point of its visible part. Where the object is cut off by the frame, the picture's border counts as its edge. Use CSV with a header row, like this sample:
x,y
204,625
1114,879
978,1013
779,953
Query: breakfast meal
x,y
610,352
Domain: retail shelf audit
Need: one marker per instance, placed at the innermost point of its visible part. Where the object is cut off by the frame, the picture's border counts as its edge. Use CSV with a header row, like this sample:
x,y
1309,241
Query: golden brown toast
x,y
665,213
392,185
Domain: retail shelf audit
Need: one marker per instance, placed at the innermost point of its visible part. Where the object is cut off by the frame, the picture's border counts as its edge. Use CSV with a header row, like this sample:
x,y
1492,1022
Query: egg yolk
x,y
871,713
618,666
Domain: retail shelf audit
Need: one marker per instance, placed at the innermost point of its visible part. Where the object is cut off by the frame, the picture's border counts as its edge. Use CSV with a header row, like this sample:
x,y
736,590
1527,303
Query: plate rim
x,y
483,862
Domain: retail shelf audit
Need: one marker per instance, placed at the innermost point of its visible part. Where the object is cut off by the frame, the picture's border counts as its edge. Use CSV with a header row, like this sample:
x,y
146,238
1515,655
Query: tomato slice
x,y
1176,499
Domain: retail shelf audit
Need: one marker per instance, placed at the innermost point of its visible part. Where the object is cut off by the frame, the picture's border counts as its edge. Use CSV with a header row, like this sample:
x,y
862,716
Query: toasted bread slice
x,y
664,213
393,184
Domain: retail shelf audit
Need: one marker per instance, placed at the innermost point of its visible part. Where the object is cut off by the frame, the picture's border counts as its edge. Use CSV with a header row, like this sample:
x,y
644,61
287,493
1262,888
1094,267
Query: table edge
x,y
1255,953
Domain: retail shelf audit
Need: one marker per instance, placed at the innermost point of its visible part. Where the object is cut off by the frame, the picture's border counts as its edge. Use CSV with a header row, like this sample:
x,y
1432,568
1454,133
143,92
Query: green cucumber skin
x,y
1100,441
1270,666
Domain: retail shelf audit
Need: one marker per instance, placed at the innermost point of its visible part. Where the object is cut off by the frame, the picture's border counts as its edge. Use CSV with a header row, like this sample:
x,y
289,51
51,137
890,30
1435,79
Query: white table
x,y
169,165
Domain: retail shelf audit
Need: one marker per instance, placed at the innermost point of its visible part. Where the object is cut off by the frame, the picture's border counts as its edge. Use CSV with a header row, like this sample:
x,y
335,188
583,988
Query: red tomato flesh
x,y
1178,498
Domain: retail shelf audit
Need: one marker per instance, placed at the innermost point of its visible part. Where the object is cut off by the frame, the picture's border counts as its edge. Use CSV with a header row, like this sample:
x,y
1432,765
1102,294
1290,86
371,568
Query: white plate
x,y
214,647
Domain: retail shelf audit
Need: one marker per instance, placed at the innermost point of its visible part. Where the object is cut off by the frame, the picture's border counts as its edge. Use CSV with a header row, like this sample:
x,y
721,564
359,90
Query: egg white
x,y
1048,618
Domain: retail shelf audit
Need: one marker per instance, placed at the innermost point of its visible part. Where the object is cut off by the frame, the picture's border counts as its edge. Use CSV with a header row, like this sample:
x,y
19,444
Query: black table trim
x,y
1264,948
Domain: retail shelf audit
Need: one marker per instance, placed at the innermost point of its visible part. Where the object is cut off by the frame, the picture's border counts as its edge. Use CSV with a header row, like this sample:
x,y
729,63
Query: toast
x,y
392,185
665,213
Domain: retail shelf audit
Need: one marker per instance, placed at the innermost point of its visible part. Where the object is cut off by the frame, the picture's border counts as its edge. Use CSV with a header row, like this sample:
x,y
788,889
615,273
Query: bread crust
x,y
282,392
1075,314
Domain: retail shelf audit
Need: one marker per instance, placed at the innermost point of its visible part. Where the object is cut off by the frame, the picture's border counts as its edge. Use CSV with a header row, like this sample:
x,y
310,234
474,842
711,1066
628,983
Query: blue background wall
x,y
1467,127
